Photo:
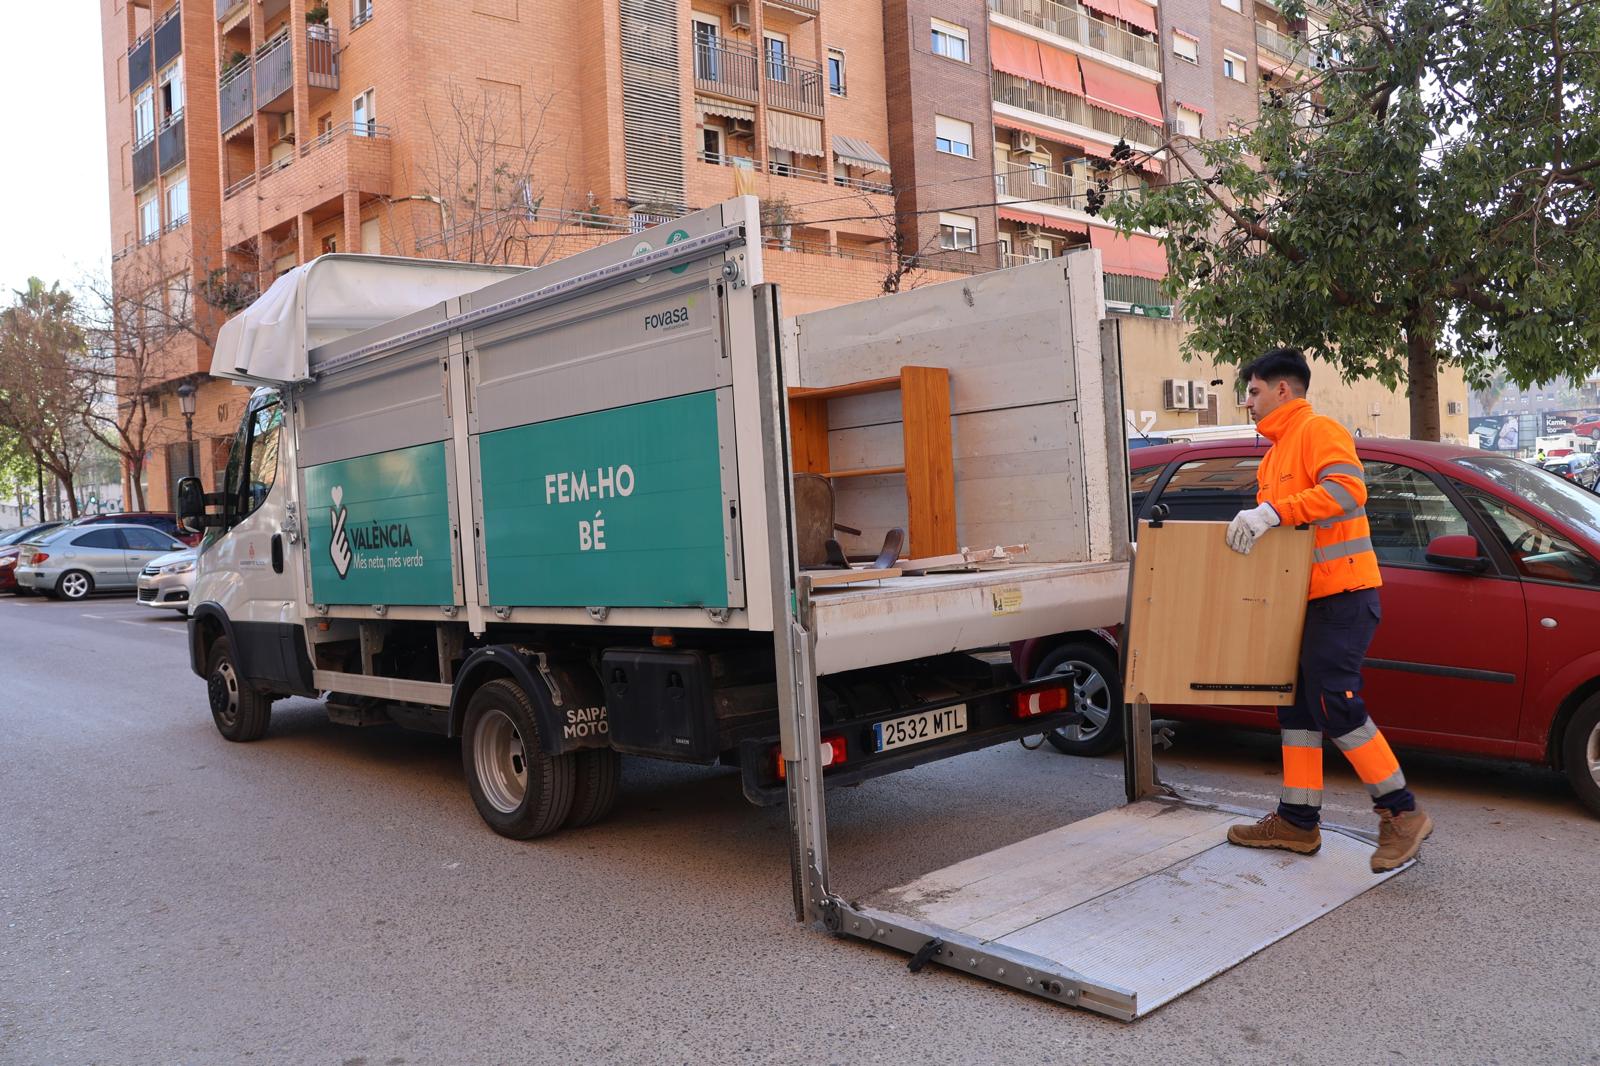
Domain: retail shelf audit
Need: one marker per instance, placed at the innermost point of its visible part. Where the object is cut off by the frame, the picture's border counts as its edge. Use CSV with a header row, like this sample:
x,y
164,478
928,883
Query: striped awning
x,y
724,109
794,133
858,154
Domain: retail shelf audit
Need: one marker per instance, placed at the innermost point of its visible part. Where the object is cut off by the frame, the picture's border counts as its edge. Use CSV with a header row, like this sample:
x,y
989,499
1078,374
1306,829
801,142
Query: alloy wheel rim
x,y
75,586
1592,754
1091,697
501,761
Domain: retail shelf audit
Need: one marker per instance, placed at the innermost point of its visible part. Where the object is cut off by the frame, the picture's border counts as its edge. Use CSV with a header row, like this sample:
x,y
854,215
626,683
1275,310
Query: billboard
x,y
1496,433
1555,423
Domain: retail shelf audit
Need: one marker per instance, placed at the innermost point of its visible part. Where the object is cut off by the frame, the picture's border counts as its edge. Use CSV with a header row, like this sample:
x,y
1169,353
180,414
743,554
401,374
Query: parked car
x,y
165,521
75,560
1491,603
11,547
166,580
1579,468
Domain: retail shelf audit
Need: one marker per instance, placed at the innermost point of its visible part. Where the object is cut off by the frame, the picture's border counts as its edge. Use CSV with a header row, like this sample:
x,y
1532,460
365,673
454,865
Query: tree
x,y
43,392
1425,198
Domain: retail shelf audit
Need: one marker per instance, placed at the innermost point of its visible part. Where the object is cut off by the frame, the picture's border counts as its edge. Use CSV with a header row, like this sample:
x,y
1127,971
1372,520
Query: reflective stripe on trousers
x,y
1302,767
1374,762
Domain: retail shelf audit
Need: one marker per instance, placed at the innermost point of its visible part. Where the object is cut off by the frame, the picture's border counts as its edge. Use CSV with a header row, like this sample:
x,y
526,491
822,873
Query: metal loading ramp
x,y
1121,912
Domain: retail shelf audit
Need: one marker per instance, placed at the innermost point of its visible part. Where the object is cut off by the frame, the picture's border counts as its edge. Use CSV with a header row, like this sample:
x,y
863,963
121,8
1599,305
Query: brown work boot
x,y
1273,832
1399,837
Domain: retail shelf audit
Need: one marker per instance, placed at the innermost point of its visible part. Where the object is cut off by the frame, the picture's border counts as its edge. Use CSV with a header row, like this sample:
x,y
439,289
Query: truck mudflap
x,y
1119,913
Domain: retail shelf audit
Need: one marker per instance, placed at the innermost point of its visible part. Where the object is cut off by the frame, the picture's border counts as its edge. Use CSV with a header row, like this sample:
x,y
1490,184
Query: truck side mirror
x,y
191,504
1457,552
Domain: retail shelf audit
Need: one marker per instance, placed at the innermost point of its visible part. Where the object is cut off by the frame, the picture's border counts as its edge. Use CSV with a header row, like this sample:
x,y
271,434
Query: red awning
x,y
1063,226
1061,70
1135,255
1013,53
1025,218
1138,13
1106,7
1119,92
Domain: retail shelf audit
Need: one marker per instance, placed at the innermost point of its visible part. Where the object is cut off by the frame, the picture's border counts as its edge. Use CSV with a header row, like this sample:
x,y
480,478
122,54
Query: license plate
x,y
920,728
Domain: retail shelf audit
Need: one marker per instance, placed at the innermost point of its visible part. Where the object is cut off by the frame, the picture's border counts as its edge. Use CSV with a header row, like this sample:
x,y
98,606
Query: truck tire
x,y
594,793
520,791
74,585
1580,753
1099,690
239,710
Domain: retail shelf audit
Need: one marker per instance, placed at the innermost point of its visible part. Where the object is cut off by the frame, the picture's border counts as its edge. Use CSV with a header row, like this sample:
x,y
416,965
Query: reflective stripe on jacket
x,y
1311,476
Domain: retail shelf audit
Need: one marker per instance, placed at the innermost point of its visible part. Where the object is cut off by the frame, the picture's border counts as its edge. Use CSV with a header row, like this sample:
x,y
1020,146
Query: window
x,y
1041,250
950,41
707,54
777,52
711,144
172,94
1211,490
1539,552
1406,510
149,218
248,480
1186,121
1005,248
1233,66
324,125
1185,47
952,136
141,539
178,300
835,72
1234,5
360,13
144,117
99,538
1039,172
364,114
178,199
330,244
958,233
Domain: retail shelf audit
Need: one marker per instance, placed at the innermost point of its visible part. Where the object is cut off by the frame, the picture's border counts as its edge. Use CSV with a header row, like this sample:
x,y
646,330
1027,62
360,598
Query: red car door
x,y
1448,663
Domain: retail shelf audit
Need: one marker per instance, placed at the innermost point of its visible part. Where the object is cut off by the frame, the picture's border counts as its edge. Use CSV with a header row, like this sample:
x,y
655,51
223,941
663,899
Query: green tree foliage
x,y
1423,195
43,388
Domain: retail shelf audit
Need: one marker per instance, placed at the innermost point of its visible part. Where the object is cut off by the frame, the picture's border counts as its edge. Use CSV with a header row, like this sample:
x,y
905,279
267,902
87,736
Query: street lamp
x,y
186,393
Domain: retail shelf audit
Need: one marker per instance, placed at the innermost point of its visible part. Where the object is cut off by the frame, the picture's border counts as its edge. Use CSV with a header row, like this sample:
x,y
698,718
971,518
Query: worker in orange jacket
x,y
1312,476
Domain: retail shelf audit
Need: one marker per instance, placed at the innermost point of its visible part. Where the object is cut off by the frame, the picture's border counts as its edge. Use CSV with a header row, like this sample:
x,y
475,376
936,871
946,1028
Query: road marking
x,y
147,626
96,617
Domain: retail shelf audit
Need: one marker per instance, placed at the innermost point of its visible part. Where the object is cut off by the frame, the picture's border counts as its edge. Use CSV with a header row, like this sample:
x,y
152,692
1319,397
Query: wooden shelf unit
x,y
929,465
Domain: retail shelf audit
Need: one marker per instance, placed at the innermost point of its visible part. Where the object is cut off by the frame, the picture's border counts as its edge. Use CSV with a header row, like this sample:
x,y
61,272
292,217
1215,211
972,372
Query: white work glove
x,y
1248,526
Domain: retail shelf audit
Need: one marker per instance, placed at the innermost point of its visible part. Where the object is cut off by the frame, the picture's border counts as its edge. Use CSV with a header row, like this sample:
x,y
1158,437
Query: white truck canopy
x,y
330,297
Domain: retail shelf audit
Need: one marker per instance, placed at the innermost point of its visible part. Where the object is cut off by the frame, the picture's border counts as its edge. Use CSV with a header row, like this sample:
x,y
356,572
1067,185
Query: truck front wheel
x,y
241,712
519,789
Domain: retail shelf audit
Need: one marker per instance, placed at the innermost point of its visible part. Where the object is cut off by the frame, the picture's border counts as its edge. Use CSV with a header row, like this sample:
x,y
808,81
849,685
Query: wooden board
x,y
1201,613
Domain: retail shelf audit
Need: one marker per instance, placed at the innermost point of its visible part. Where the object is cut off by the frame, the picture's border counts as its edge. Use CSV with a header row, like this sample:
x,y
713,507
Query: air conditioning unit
x,y
1175,394
1377,409
739,16
1453,407
1198,395
1024,143
286,127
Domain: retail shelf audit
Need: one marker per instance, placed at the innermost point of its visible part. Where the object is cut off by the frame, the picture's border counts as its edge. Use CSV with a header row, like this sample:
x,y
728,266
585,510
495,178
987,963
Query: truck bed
x,y
900,618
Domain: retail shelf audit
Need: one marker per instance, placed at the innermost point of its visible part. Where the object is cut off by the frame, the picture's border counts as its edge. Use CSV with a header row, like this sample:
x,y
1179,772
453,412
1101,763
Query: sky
x,y
54,182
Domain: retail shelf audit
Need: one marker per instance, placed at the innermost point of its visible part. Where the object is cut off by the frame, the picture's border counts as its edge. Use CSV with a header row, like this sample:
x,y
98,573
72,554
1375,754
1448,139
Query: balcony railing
x,y
169,39
1283,45
322,57
727,70
144,163
226,8
1122,288
1079,24
862,184
236,99
171,146
793,85
141,62
1041,186
359,130
274,71
1045,100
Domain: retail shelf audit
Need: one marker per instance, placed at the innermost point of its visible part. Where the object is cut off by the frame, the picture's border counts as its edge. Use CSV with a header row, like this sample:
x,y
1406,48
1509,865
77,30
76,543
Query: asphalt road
x,y
329,895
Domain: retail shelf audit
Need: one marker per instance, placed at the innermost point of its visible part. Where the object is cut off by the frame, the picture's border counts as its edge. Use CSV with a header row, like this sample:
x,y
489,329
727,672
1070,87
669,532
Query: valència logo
x,y
339,545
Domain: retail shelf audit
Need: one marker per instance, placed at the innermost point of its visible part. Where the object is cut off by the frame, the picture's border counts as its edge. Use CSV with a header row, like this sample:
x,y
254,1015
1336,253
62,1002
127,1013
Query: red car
x,y
1589,427
1490,640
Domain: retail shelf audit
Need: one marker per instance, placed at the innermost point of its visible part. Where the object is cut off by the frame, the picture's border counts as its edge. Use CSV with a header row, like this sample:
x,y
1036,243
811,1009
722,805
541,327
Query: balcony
x,y
1288,48
171,148
806,8
228,7
144,164
1141,292
322,59
141,63
1041,187
350,156
1044,100
274,67
1077,24
236,99
794,85
169,39
726,70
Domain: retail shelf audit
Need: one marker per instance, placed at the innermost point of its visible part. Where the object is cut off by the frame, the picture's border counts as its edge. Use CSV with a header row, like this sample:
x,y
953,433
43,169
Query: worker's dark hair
x,y
1278,364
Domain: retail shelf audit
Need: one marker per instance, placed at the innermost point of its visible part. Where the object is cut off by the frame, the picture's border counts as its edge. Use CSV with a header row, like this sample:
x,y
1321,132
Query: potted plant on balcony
x,y
233,62
318,15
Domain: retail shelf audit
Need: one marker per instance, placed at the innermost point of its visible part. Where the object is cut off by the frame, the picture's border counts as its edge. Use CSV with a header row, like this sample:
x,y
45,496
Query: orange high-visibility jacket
x,y
1311,476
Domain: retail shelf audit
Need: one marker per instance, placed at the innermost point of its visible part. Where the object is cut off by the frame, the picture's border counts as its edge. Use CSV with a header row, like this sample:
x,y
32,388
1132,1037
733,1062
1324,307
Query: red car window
x,y
1405,510
1538,550
1211,489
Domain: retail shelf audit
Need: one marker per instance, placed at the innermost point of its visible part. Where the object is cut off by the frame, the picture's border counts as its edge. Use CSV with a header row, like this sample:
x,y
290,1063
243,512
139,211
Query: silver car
x,y
73,561
168,579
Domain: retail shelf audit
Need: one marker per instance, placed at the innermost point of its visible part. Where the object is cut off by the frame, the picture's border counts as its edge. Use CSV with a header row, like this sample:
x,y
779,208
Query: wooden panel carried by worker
x,y
1207,625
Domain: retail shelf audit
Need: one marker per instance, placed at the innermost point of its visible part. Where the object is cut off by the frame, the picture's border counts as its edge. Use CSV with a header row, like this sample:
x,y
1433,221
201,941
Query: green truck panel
x,y
380,529
618,508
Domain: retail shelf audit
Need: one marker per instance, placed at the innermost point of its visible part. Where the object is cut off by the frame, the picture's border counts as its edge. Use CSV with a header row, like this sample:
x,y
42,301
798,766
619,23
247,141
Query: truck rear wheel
x,y
1581,753
519,789
599,775
241,712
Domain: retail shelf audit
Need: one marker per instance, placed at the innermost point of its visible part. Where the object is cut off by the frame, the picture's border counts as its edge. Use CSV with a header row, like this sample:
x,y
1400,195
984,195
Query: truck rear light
x,y
832,753
1041,701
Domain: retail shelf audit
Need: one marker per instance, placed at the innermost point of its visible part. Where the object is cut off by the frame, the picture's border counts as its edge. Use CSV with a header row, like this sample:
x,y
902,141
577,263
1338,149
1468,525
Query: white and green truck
x,y
551,512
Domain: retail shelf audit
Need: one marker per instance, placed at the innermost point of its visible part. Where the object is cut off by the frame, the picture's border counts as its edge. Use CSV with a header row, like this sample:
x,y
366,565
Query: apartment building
x,y
248,136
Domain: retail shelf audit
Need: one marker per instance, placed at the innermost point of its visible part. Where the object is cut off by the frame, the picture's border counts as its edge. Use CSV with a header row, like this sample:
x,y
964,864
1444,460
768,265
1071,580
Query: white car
x,y
168,579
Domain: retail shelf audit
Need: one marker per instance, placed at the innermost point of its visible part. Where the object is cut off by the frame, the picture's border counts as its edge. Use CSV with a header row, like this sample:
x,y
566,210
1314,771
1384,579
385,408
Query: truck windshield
x,y
1545,490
